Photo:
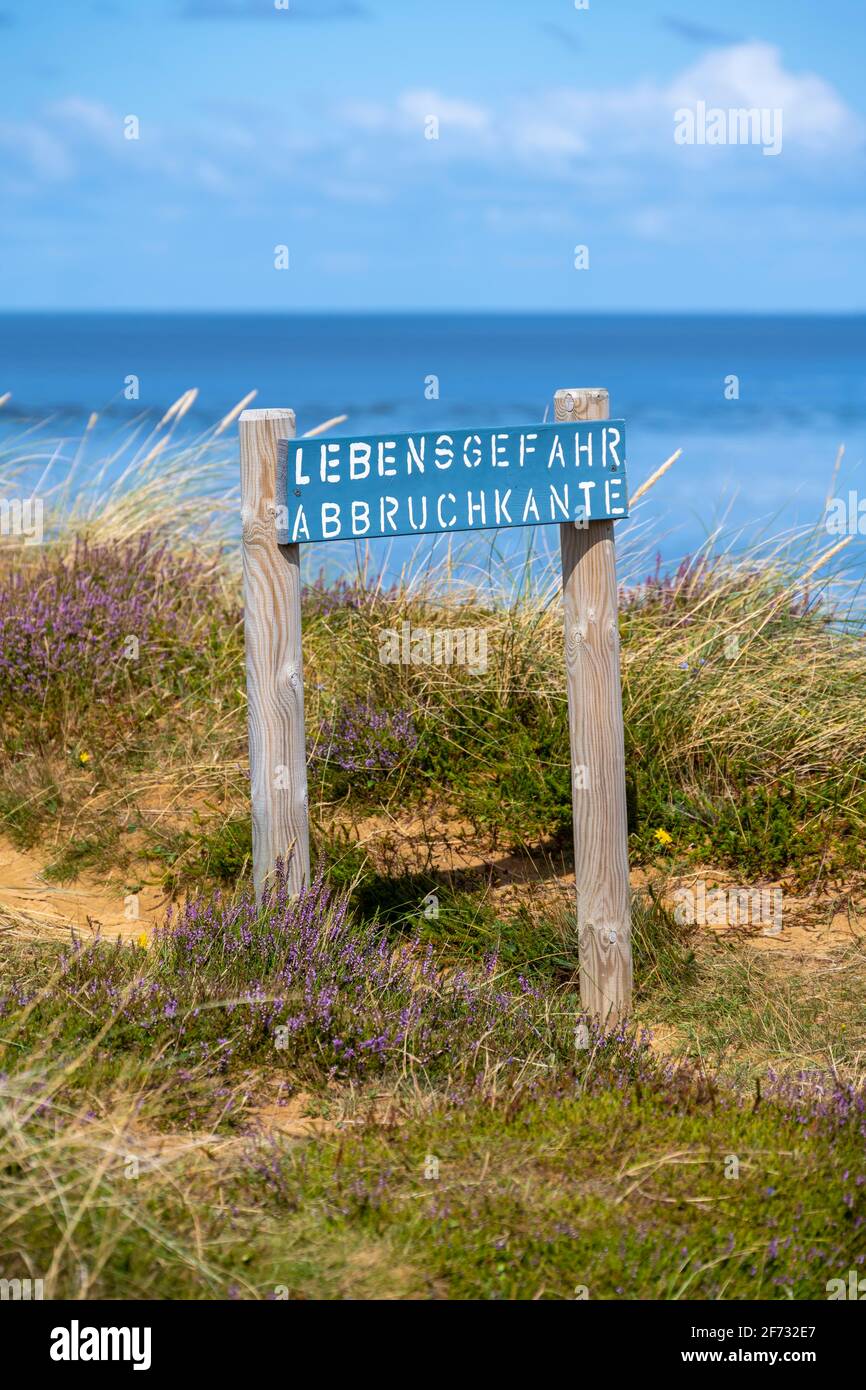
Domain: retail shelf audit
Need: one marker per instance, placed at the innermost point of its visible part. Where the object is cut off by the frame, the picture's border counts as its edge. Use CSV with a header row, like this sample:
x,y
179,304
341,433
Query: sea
x,y
760,406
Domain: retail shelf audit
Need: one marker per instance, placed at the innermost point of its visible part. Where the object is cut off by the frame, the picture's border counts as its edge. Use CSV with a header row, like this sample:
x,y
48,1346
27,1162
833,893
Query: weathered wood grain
x,y
592,661
275,681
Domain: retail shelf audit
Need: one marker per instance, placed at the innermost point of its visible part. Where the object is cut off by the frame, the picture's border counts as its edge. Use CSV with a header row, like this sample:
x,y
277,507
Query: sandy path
x,y
30,905
811,923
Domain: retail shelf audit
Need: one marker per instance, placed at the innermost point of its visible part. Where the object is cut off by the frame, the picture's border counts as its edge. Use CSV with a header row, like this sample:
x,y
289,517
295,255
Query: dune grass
x,y
606,1182
745,736
476,1137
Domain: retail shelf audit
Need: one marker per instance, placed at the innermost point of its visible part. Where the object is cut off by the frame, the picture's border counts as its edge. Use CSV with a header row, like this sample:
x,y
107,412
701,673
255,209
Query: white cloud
x,y
619,121
76,118
79,138
450,111
751,74
36,150
612,133
407,114
554,133
607,146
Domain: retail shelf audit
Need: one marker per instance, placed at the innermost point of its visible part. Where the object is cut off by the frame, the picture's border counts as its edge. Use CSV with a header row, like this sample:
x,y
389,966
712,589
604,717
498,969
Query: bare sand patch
x,y
30,905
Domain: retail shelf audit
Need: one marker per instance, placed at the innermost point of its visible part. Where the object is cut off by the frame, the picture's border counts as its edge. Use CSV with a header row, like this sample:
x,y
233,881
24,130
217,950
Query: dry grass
x,y
735,684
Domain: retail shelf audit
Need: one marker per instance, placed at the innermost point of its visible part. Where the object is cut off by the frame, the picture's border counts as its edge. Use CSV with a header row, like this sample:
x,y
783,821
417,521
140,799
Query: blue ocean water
x,y
760,452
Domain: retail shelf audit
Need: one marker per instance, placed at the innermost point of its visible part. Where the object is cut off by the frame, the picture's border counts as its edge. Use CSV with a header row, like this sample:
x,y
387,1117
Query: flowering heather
x,y
71,618
819,1097
323,598
698,580
365,739
309,981
300,982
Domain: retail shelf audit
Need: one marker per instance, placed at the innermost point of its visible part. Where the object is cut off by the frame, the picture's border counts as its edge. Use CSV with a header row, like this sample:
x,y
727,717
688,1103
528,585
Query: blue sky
x,y
262,127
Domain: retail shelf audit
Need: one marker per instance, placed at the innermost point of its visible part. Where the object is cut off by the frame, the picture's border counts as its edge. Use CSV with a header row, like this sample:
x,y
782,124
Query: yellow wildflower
x,y
663,837
142,940
84,759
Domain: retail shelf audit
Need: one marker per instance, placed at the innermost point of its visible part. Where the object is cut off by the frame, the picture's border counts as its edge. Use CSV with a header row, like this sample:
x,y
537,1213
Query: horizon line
x,y
443,312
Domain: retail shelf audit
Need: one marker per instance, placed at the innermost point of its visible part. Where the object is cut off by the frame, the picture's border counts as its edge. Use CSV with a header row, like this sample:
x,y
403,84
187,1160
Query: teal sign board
x,y
435,481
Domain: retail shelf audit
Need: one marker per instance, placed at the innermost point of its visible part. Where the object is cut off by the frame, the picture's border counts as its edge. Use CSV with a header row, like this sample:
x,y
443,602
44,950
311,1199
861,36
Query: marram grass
x,y
742,680
436,1120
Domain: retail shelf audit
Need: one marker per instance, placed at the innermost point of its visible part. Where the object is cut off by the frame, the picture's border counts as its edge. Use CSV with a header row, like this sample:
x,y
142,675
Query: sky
x,y
309,128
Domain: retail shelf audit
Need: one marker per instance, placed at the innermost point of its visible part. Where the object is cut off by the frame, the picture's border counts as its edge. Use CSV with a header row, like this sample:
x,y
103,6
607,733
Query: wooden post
x,y
275,678
589,590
